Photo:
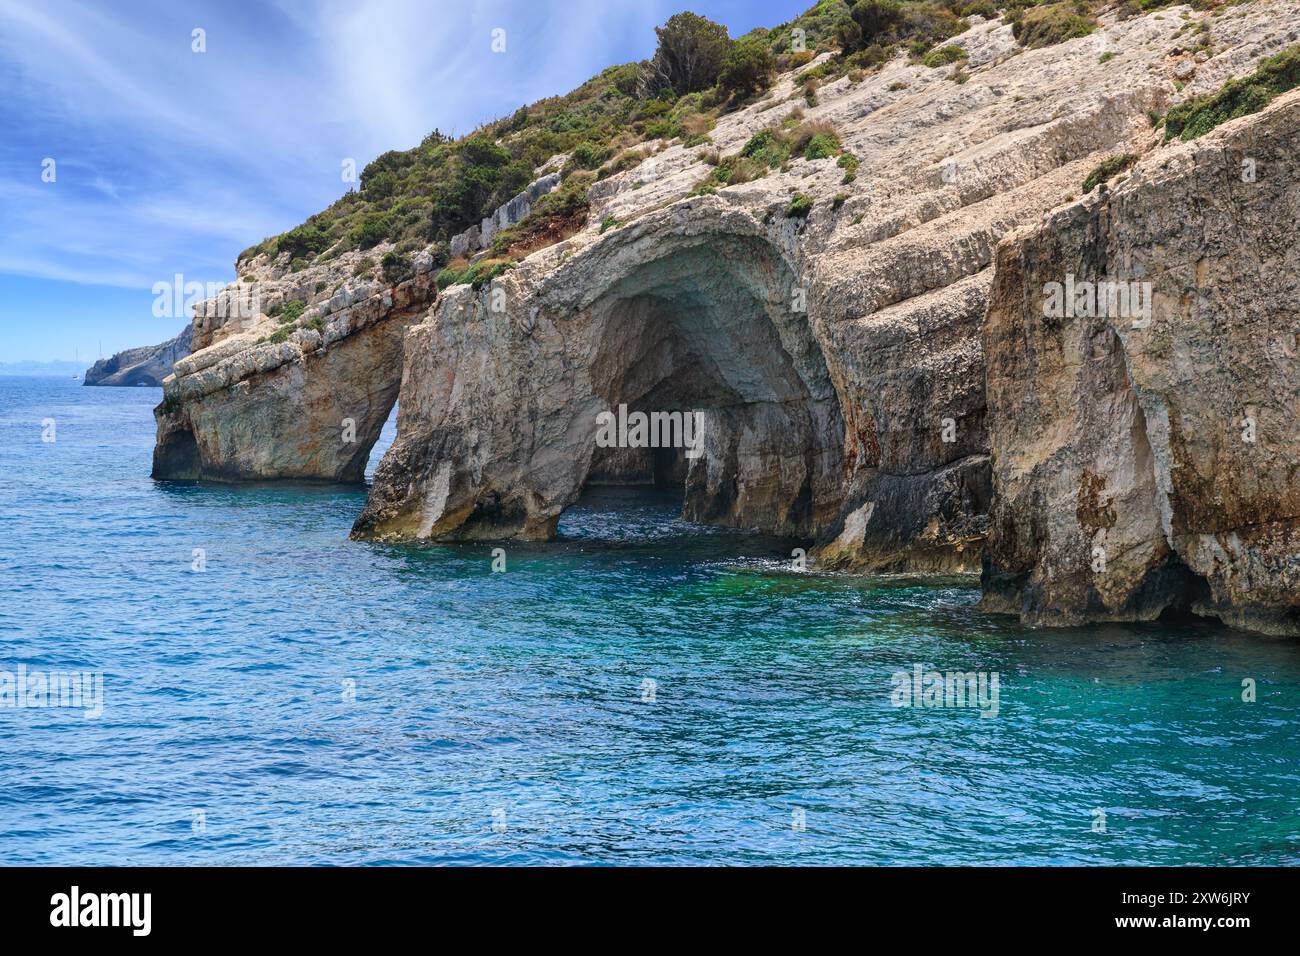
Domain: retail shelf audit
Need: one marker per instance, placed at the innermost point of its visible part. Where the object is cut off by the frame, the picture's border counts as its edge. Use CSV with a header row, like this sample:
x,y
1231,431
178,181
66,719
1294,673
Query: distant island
x,y
32,368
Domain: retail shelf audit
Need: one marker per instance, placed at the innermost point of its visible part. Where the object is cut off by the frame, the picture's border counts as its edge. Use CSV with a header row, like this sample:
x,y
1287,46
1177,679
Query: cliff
x,y
147,365
818,276
1147,459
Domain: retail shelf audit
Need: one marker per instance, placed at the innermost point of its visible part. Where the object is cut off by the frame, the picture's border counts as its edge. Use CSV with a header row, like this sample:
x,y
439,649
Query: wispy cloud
x,y
173,161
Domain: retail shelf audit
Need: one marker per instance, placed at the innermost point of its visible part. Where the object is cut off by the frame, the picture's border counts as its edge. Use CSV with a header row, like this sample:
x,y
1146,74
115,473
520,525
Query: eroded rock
x,y
309,407
1147,462
147,365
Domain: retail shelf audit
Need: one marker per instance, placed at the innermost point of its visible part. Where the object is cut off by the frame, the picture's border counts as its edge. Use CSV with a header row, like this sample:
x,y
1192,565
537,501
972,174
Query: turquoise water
x,y
516,698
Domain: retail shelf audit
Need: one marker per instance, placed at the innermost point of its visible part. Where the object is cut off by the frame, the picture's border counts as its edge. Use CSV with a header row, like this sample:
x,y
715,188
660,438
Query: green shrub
x,y
849,163
944,55
690,53
1240,97
822,146
799,208
250,252
365,265
588,155
1109,168
1051,24
484,271
279,335
767,147
448,277
396,267
609,222
748,67
291,311
304,241
868,22
371,231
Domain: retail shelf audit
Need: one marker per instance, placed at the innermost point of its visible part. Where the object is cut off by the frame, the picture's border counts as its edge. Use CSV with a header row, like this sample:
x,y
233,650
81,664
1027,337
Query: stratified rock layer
x,y
836,358
1152,463
310,407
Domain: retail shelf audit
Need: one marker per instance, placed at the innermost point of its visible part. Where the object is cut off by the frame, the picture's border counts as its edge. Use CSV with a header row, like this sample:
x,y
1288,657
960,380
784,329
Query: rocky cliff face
x,y
269,395
1148,459
147,365
837,358
828,329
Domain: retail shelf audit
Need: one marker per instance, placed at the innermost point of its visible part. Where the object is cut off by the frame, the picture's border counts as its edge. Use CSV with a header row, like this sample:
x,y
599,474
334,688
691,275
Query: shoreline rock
x,y
863,349
1149,463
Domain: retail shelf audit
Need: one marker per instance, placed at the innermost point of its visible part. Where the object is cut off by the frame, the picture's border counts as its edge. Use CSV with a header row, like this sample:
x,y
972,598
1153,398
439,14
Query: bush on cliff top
x,y
1240,97
443,186
1051,24
944,55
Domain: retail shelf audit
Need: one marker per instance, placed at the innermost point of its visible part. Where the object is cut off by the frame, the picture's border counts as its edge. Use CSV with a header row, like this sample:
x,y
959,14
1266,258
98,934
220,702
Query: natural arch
x,y
499,415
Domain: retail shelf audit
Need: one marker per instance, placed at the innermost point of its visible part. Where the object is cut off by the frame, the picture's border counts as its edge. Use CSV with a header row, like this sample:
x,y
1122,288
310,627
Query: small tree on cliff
x,y
690,54
868,22
748,66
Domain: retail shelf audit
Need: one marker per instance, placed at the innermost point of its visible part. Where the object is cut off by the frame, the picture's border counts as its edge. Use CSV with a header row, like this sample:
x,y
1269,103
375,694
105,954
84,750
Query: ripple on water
x,y
642,690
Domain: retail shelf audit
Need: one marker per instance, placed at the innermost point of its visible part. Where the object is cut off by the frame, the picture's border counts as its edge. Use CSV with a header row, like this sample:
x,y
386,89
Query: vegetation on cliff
x,y
1236,98
1108,168
424,196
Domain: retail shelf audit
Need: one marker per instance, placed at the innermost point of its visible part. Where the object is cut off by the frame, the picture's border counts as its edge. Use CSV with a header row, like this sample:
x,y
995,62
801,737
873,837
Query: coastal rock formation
x,y
305,398
147,365
1148,459
835,355
827,321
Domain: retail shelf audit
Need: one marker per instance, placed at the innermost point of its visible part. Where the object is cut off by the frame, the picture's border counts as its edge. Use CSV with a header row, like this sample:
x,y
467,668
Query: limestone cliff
x,y
293,376
827,321
1148,460
147,365
836,356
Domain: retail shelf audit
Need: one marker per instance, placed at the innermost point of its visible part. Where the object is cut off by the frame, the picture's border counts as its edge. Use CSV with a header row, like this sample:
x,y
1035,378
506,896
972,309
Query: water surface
x,y
323,701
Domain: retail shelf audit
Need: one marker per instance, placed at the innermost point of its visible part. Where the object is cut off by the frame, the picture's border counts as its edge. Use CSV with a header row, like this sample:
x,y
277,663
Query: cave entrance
x,y
714,331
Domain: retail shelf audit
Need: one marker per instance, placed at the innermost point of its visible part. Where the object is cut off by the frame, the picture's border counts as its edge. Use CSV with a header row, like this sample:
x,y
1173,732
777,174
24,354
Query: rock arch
x,y
503,387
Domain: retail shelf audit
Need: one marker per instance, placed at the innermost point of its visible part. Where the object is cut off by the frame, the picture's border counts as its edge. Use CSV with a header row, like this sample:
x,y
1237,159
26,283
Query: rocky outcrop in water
x,y
836,357
1147,459
274,394
147,365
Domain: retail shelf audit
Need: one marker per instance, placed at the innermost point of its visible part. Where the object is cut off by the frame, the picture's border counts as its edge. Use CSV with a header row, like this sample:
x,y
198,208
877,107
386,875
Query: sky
x,y
126,157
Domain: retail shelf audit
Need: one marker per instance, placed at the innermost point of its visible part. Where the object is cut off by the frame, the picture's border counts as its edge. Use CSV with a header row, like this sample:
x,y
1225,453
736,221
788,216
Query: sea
x,y
259,689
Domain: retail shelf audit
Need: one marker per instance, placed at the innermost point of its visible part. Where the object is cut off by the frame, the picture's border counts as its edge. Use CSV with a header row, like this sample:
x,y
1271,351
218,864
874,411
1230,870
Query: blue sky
x,y
169,161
